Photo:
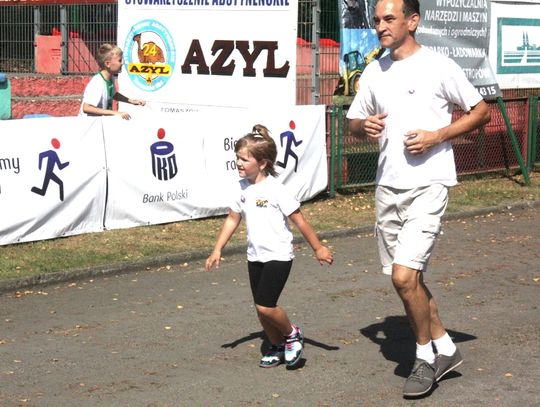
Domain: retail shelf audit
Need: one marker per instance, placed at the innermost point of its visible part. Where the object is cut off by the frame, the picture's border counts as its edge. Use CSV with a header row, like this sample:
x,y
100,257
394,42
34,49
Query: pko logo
x,y
150,55
164,165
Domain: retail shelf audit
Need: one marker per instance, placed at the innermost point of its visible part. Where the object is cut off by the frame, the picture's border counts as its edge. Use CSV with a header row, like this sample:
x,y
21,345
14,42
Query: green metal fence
x,y
509,142
534,131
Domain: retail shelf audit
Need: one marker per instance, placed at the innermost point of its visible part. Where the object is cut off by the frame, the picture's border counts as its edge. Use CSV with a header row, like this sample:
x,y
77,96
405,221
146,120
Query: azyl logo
x,y
225,64
150,55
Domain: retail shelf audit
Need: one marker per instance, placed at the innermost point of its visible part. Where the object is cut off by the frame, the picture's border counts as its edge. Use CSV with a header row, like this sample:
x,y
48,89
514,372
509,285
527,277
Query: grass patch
x,y
349,209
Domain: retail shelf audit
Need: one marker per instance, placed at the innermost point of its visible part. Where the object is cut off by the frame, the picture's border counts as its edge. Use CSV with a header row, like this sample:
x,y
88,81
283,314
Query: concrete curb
x,y
179,258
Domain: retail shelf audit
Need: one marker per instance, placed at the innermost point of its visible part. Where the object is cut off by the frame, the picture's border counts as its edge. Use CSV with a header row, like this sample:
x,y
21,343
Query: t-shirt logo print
x,y
261,203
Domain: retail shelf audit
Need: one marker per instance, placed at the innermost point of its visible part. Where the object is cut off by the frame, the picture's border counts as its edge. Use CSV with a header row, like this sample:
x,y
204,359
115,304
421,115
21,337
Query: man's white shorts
x,y
408,223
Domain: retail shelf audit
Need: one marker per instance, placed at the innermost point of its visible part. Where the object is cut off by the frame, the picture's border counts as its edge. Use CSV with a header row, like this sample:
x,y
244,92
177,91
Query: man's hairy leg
x,y
436,326
416,300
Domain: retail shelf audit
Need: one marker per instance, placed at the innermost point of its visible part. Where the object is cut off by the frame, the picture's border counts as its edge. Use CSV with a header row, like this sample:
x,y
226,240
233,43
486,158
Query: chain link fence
x,y
534,143
508,143
32,34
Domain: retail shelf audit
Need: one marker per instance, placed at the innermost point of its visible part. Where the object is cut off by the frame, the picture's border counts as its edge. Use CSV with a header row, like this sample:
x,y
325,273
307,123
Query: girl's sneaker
x,y
294,347
273,357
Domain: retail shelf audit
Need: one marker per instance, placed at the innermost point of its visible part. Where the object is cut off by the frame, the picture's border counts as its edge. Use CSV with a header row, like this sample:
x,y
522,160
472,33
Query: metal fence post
x,y
339,182
65,38
315,52
513,139
37,31
332,176
533,131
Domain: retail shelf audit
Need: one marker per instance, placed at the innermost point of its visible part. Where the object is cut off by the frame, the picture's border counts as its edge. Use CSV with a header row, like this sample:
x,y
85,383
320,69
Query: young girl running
x,y
265,205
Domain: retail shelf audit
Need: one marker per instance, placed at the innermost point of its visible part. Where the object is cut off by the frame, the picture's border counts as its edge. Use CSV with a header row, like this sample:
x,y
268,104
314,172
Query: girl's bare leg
x,y
275,322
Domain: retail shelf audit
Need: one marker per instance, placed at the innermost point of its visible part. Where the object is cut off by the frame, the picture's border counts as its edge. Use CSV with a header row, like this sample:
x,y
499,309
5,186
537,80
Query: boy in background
x,y
100,91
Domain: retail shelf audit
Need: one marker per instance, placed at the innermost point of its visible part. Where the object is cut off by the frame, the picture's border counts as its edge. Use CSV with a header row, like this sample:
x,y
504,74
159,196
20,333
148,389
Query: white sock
x,y
425,352
444,345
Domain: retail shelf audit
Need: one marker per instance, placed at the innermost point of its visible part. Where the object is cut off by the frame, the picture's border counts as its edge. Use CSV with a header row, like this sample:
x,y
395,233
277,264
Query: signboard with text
x,y
221,53
460,30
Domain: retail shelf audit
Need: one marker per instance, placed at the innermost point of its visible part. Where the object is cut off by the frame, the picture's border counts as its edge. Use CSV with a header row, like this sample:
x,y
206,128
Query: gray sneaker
x,y
421,379
446,364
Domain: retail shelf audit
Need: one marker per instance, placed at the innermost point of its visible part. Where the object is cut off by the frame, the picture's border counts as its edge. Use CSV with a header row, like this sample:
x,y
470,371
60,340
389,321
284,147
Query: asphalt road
x,y
178,336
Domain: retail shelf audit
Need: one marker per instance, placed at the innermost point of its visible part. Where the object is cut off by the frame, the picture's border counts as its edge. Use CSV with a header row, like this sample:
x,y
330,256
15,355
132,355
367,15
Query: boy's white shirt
x,y
95,94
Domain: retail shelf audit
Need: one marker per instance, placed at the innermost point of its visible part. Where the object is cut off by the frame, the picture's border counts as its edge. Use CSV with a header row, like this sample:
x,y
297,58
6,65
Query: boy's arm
x,y
121,98
229,226
97,111
322,252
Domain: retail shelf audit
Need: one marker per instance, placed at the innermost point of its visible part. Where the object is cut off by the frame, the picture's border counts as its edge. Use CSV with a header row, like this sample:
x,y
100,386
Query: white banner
x,y
52,178
222,53
156,170
72,175
514,50
165,169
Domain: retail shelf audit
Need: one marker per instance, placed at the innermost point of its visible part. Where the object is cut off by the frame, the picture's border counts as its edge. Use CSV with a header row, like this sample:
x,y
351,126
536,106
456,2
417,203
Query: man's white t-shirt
x,y
265,207
418,92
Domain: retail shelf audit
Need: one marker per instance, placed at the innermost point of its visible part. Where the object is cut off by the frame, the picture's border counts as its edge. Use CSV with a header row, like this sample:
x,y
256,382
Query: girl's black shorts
x,y
267,280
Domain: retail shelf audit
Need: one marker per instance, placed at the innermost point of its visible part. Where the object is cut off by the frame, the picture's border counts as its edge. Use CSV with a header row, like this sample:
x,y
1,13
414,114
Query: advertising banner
x,y
359,43
73,175
167,170
52,178
460,30
457,29
208,53
515,43
156,171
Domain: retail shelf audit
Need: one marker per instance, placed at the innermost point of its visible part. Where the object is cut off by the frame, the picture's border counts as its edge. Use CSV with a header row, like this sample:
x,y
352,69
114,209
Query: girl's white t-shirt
x,y
418,92
265,207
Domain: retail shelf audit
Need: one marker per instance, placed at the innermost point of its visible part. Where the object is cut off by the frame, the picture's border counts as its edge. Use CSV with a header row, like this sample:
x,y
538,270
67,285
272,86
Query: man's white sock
x,y
444,345
425,352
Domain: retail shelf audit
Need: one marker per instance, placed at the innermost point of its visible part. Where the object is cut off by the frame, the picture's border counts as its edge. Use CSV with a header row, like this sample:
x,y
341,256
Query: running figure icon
x,y
52,160
291,139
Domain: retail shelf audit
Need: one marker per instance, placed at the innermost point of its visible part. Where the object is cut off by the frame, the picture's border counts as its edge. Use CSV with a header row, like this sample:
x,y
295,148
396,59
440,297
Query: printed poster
x,y
515,44
52,178
460,30
208,54
166,170
359,43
